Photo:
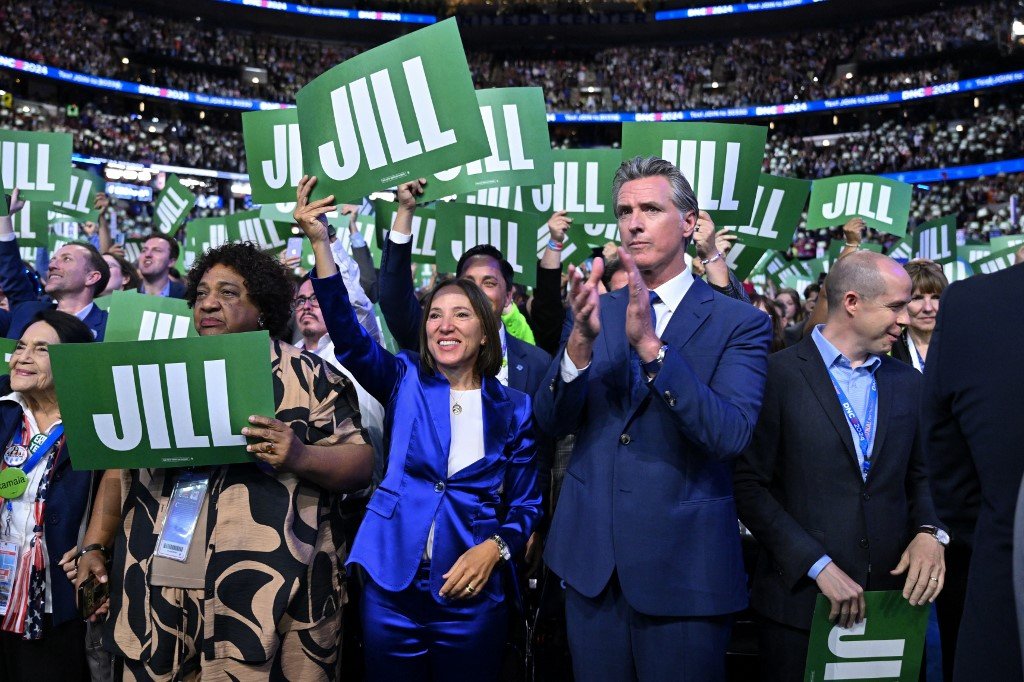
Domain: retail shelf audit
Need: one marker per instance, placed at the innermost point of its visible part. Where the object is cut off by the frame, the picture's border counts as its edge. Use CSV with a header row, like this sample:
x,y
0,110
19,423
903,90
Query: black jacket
x,y
799,489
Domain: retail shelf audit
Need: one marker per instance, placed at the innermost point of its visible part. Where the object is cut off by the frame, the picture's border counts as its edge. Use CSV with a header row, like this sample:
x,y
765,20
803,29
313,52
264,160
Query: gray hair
x,y
860,272
640,167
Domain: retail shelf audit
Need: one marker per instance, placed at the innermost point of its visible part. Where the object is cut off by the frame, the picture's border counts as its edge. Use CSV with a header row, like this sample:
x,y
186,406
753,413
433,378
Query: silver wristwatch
x,y
939,534
503,551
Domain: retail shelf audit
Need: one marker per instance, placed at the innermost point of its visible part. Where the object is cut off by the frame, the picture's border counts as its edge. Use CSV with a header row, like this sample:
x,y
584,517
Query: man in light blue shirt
x,y
834,485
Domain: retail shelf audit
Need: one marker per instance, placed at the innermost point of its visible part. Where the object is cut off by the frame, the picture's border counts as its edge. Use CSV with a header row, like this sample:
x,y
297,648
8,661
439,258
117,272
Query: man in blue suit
x,y
77,274
524,365
662,382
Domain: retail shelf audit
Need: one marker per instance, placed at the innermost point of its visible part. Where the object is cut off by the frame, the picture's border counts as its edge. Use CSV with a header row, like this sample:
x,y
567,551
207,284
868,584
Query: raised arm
x,y
398,301
15,284
374,368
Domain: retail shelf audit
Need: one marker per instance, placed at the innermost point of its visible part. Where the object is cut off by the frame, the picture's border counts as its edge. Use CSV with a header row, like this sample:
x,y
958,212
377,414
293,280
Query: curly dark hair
x,y
266,281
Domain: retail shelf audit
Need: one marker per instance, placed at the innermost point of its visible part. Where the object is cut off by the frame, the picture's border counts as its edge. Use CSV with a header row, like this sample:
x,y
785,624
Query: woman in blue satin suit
x,y
459,497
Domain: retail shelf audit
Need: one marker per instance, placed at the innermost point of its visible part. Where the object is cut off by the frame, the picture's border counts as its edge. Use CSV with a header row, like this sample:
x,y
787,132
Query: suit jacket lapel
x,y
497,411
518,372
886,389
813,369
690,315
437,396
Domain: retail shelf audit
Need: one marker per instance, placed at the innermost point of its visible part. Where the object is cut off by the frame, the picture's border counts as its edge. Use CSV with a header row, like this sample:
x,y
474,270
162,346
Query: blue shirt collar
x,y
832,357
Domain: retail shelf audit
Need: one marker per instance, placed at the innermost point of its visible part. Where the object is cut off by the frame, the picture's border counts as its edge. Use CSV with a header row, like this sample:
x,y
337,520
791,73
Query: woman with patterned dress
x,y
265,600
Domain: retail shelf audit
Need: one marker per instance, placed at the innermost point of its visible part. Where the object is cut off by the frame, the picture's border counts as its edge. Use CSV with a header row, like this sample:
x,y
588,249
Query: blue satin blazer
x,y
496,494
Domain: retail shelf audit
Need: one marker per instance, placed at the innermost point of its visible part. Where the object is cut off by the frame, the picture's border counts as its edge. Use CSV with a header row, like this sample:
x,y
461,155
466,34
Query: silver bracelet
x,y
856,246
717,256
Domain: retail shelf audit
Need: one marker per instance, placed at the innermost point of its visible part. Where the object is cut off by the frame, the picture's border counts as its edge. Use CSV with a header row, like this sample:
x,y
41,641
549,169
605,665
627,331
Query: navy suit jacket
x,y
66,503
648,488
527,364
973,431
800,491
24,300
496,494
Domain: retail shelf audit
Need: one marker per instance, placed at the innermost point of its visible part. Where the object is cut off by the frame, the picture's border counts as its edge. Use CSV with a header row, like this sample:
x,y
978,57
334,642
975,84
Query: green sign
x,y
996,261
882,203
7,347
796,275
175,403
835,247
582,188
770,264
1006,241
204,234
78,203
936,240
902,251
778,207
137,317
133,249
818,266
37,164
28,254
463,226
424,229
367,226
173,205
722,161
398,112
975,252
517,131
742,258
248,226
273,154
887,645
957,270
31,225
63,233
282,213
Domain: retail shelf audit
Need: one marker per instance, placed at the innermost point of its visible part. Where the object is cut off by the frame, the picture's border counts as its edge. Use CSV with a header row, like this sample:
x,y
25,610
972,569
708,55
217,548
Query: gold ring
x,y
934,580
469,588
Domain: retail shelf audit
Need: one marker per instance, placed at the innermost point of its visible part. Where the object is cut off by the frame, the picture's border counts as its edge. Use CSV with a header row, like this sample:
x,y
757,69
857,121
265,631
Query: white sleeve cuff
x,y
398,237
9,237
568,370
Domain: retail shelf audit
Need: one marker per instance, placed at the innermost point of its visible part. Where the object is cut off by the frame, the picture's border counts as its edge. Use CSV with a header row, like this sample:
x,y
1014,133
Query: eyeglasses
x,y
300,301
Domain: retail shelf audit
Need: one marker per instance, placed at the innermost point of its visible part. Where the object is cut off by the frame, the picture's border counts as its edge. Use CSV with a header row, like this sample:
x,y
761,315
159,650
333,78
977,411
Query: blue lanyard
x,y
43,448
864,430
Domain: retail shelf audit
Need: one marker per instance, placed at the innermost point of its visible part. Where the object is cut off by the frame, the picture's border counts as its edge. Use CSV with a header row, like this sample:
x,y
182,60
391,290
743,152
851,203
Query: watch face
x,y
942,536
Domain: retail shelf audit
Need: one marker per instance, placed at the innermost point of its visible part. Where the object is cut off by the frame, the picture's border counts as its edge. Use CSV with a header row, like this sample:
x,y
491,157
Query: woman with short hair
x,y
43,502
265,601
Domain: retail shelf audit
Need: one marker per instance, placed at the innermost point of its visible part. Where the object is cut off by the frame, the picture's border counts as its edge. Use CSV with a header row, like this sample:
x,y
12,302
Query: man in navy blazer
x,y
972,432
77,274
525,363
662,382
835,490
